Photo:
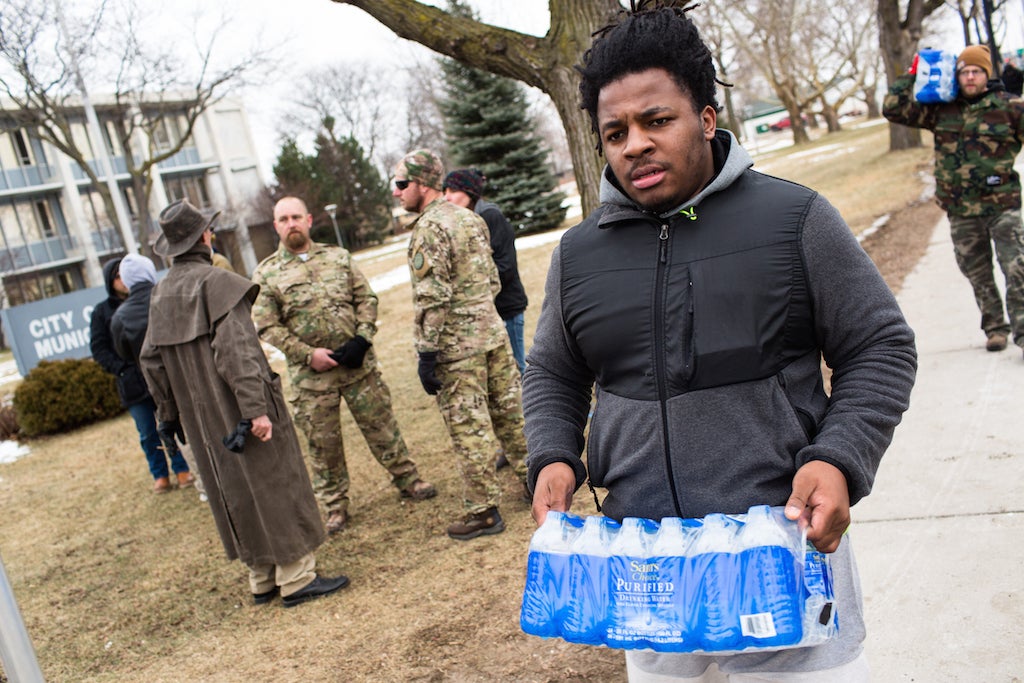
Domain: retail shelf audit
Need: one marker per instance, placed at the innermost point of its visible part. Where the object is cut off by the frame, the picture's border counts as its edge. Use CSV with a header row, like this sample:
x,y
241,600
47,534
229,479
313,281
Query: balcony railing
x,y
36,253
120,168
26,176
187,156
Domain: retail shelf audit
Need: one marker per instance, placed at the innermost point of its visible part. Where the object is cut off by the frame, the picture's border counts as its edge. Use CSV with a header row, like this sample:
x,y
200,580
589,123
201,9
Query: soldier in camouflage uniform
x,y
977,139
464,354
317,308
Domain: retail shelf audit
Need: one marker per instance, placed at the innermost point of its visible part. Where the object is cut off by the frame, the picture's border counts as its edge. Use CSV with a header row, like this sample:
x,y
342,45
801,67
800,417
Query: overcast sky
x,y
312,33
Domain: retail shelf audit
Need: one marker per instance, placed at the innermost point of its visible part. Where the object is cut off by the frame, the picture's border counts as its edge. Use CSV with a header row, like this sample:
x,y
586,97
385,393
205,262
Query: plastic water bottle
x,y
936,76
548,568
715,569
770,599
586,619
636,586
675,609
820,620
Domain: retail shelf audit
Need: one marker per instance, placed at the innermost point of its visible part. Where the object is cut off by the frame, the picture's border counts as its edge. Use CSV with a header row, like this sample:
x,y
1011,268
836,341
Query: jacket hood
x,y
731,160
110,269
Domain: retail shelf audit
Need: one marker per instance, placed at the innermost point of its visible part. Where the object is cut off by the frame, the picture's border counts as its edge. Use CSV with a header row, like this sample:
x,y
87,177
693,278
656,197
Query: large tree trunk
x,y
545,63
898,38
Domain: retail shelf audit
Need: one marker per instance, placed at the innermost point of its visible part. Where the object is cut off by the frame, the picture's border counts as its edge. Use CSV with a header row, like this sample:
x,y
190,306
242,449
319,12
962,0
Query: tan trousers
x,y
291,577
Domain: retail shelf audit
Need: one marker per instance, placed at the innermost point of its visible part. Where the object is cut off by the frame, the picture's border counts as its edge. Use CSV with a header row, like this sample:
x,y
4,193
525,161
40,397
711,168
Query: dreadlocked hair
x,y
652,34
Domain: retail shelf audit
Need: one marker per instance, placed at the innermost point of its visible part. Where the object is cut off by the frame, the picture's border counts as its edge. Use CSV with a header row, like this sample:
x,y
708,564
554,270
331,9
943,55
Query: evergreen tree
x,y
338,172
488,128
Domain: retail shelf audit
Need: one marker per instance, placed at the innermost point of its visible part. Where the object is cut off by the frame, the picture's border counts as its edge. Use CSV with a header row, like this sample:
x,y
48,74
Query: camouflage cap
x,y
423,166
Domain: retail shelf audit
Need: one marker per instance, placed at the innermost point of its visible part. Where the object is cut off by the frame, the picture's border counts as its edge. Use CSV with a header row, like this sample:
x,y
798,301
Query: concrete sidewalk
x,y
940,541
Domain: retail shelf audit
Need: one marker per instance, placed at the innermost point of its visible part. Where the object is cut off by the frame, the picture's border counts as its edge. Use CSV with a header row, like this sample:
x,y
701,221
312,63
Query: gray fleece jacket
x,y
702,330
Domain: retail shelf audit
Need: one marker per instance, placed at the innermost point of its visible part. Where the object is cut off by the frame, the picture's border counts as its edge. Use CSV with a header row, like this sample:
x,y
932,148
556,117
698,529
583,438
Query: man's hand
x,y
555,485
261,428
351,353
320,360
169,430
427,370
820,502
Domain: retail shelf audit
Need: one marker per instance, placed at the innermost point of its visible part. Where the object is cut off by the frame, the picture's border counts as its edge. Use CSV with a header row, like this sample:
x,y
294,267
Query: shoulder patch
x,y
420,264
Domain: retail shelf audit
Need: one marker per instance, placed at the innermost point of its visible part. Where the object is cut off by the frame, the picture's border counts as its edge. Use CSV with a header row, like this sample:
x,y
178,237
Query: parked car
x,y
781,124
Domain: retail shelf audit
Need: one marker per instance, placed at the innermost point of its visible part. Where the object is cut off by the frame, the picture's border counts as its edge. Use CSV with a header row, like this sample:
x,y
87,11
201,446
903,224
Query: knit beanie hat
x,y
975,55
468,180
421,166
136,268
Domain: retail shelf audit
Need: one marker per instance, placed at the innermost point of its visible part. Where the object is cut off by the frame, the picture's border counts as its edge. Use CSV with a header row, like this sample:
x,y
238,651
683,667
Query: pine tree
x,y
488,128
338,172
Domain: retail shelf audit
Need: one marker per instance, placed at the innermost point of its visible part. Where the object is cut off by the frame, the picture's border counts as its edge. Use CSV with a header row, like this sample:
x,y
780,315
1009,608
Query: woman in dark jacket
x,y
131,385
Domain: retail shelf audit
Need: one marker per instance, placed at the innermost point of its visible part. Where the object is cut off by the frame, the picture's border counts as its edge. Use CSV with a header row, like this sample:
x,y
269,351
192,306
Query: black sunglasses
x,y
402,184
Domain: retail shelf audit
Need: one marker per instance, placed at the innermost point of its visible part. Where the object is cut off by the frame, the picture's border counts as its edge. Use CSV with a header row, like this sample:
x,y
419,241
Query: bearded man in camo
x,y
977,139
319,310
465,358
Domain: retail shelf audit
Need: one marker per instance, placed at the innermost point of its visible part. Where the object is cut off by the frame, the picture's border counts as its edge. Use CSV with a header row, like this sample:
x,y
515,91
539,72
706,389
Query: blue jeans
x,y
514,327
144,414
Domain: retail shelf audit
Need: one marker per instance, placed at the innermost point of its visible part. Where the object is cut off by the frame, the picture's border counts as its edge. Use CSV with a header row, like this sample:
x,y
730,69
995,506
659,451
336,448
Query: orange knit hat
x,y
975,55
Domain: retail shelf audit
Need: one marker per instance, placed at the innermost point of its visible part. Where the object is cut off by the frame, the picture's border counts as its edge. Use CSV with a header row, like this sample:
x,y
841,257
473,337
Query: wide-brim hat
x,y
181,226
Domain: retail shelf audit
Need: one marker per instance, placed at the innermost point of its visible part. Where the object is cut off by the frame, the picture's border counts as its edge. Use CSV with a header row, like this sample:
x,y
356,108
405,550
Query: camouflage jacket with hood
x,y
976,143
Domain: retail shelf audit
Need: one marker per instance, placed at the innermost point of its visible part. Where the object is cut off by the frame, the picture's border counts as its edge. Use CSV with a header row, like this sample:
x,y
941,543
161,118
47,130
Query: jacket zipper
x,y
659,358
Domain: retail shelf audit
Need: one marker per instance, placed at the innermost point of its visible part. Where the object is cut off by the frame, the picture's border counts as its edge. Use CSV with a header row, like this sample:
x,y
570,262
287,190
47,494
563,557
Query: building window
x,y
23,289
192,188
45,220
21,146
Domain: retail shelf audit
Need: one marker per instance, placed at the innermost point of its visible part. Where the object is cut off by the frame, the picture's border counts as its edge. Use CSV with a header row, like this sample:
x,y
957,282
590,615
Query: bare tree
x,y
809,52
149,81
900,27
724,52
544,62
358,96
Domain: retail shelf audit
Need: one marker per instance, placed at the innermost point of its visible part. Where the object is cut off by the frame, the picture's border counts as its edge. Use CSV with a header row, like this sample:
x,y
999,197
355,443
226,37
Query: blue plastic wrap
x,y
725,583
936,77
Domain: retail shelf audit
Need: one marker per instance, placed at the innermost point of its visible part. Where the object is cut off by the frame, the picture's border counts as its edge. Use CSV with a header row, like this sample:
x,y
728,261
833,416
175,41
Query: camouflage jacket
x,y
321,302
976,144
454,281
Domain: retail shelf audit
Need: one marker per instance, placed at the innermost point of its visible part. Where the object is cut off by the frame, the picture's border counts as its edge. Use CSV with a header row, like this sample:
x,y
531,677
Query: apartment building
x,y
55,232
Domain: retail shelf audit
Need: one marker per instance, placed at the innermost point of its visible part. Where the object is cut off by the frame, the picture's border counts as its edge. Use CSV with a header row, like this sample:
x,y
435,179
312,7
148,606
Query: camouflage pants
x,y
973,241
318,415
481,401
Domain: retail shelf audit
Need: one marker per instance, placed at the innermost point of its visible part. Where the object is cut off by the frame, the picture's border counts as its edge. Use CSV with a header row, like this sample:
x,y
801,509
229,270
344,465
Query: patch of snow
x,y
12,450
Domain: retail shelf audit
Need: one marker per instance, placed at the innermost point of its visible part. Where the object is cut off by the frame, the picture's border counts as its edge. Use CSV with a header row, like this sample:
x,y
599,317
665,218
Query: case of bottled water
x,y
936,76
724,583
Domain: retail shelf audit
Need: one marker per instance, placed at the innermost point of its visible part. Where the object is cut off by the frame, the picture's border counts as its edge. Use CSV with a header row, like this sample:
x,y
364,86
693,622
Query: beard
x,y
296,241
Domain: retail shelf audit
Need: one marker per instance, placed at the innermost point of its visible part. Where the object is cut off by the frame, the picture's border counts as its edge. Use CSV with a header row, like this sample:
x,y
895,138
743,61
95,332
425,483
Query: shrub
x,y
9,427
58,396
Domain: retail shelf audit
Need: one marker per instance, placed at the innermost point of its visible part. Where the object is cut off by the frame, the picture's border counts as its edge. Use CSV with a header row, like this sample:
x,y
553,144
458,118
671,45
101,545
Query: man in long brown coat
x,y
207,372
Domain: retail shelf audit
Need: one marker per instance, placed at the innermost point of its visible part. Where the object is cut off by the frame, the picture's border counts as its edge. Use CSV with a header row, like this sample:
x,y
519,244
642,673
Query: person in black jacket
x,y
131,386
465,187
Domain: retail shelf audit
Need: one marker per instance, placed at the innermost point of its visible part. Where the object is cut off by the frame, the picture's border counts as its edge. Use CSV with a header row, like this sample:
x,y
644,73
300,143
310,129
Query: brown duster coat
x,y
204,365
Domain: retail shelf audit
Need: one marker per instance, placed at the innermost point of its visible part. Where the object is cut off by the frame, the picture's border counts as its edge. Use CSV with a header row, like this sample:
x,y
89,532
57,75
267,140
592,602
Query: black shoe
x,y
264,598
501,461
336,521
317,588
487,522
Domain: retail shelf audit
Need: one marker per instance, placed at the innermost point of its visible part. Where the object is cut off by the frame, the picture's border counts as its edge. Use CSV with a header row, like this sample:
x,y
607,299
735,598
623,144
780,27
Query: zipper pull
x,y
663,246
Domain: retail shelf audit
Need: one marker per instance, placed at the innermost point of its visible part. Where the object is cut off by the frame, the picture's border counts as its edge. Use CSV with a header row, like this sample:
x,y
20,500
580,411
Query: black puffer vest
x,y
714,295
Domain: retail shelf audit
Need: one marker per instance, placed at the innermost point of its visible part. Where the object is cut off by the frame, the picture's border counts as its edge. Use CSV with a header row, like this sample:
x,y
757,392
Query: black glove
x,y
170,429
428,376
351,353
235,441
